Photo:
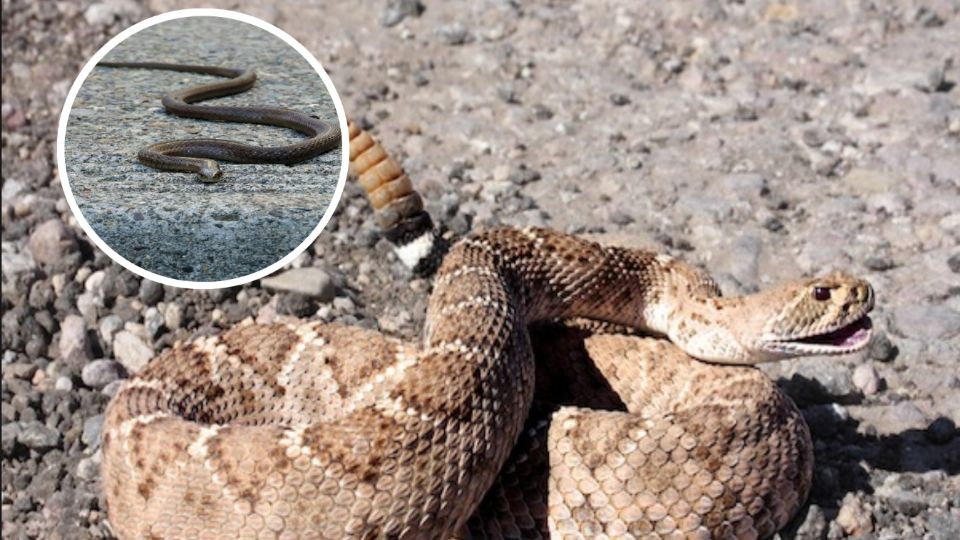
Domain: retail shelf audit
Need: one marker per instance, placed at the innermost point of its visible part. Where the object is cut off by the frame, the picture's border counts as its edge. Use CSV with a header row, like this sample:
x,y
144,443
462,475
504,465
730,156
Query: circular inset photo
x,y
203,148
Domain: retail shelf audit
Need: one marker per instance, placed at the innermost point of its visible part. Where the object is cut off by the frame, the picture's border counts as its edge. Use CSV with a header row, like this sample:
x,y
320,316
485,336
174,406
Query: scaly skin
x,y
307,430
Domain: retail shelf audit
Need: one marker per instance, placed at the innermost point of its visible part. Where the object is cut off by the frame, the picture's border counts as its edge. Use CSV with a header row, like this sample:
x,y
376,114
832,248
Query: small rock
x,y
814,524
941,431
150,292
64,384
902,416
619,100
621,218
919,321
880,348
741,259
74,346
866,378
312,282
344,304
131,351
542,112
88,306
296,304
106,12
954,263
870,181
9,434
398,10
51,241
173,316
100,373
896,493
452,34
109,326
501,173
111,389
878,263
91,431
88,468
743,185
37,436
853,517
153,321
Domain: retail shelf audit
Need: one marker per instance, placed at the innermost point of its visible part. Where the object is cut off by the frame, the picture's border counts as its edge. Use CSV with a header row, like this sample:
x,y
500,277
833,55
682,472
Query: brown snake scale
x,y
501,422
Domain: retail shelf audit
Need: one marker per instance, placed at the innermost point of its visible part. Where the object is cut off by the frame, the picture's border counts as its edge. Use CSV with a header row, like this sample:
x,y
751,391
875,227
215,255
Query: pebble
x,y
91,431
866,378
150,292
881,348
9,434
88,468
37,436
88,306
853,517
814,523
75,348
111,389
897,494
922,321
452,34
100,373
902,416
821,380
312,282
398,10
63,384
344,304
173,316
153,322
109,326
106,12
743,185
296,304
941,431
870,181
619,100
51,241
131,351
953,263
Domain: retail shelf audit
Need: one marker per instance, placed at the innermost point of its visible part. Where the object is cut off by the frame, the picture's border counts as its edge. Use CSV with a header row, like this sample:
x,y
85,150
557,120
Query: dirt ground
x,y
760,140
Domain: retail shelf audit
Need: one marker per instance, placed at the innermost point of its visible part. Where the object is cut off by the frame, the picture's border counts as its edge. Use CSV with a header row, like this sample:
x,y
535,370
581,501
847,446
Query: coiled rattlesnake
x,y
308,430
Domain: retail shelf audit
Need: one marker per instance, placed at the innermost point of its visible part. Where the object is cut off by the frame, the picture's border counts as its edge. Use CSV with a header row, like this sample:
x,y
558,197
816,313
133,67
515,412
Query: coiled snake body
x,y
309,430
199,155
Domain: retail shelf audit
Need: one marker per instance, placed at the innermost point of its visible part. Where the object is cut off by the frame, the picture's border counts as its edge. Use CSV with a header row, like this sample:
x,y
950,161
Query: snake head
x,y
819,316
209,172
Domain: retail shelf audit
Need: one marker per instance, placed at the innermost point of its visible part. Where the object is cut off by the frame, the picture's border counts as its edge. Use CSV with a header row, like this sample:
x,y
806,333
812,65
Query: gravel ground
x,y
761,140
170,223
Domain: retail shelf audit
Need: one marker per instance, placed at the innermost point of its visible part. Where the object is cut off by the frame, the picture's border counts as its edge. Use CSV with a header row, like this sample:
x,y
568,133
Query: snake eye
x,y
821,293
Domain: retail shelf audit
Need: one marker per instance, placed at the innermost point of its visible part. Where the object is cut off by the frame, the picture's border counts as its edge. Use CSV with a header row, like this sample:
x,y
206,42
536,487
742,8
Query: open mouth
x,y
846,338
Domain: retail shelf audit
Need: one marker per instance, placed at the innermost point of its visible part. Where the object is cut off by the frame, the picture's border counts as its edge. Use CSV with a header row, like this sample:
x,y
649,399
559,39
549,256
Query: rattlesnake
x,y
309,430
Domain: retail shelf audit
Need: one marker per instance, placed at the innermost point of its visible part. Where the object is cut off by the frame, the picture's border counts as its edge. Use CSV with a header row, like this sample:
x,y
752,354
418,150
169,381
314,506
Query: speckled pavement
x,y
170,223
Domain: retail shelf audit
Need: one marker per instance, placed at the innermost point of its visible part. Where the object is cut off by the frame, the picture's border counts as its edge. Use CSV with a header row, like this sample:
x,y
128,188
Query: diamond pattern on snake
x,y
562,388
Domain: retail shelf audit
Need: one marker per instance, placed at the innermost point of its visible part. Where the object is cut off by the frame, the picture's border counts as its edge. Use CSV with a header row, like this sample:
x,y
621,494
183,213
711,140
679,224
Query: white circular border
x,y
180,14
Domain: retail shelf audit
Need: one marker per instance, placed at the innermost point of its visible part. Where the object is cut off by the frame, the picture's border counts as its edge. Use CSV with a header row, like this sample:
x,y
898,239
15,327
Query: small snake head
x,y
210,172
819,316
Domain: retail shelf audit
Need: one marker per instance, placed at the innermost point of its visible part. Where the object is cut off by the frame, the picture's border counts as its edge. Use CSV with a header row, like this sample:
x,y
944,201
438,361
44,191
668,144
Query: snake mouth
x,y
848,338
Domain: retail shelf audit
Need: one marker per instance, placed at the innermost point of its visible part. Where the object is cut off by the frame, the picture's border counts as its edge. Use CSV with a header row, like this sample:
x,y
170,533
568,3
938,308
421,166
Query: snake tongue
x,y
850,335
